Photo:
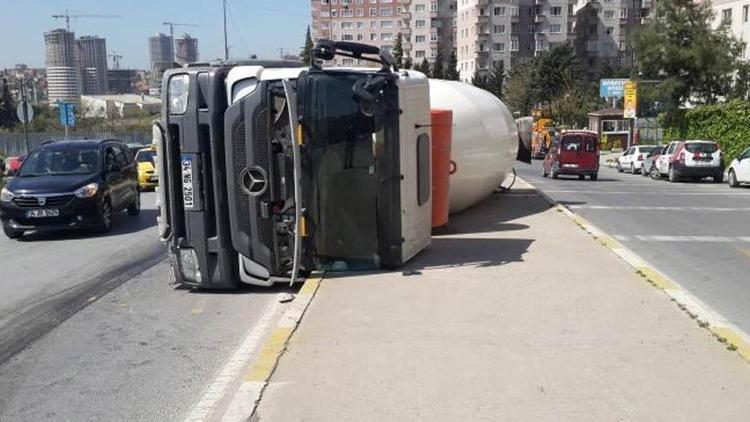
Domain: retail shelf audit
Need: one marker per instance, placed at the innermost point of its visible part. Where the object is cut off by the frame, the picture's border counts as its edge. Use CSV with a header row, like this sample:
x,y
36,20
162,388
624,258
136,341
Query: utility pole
x,y
226,44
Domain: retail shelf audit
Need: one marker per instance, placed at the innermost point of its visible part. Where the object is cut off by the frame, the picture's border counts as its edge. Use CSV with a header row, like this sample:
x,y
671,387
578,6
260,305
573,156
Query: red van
x,y
575,153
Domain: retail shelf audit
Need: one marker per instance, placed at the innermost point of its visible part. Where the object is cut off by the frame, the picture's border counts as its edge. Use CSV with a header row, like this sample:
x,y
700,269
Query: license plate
x,y
570,165
41,213
188,191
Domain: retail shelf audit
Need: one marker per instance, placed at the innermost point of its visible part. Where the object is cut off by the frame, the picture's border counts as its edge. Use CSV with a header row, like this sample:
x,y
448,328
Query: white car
x,y
693,159
632,159
739,170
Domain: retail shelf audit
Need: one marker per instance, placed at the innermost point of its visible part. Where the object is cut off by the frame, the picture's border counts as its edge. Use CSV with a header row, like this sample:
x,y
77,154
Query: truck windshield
x,y
341,166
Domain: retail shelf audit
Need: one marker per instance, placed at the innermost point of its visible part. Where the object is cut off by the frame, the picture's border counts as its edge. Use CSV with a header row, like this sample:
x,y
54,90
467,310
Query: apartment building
x,y
426,26
734,14
492,30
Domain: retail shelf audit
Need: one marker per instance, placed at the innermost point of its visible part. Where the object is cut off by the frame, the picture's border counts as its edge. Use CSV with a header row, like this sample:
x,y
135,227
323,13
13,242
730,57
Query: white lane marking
x,y
231,371
647,208
641,192
667,238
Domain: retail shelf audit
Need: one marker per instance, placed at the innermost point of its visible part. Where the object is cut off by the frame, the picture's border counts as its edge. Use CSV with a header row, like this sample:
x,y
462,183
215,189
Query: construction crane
x,y
67,16
115,59
171,32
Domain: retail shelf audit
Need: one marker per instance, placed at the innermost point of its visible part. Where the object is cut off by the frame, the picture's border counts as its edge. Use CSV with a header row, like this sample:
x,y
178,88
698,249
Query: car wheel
x,y
672,175
105,216
719,178
619,167
732,181
10,231
632,168
135,208
645,173
594,176
655,173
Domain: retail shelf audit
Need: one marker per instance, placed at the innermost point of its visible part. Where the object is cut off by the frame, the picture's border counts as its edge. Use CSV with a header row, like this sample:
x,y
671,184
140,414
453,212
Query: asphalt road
x,y
96,332
696,233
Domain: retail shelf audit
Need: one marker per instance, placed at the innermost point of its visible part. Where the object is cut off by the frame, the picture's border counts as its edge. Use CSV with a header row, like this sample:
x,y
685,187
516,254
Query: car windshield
x,y
145,156
61,160
701,147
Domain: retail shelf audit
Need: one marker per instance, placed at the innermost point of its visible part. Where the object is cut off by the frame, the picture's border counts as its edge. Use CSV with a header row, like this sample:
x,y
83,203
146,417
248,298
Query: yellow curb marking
x,y
263,366
728,336
656,278
310,286
270,354
608,242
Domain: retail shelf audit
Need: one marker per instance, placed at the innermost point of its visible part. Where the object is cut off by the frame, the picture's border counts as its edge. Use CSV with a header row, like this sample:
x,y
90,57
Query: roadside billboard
x,y
612,88
630,99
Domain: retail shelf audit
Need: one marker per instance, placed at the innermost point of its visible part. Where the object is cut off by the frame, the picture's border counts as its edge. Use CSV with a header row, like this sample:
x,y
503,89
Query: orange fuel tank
x,y
442,167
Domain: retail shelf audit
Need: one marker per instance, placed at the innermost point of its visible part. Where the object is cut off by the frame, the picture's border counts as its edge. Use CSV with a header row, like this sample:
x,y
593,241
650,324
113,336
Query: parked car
x,y
693,159
147,179
650,161
68,185
738,171
632,159
574,153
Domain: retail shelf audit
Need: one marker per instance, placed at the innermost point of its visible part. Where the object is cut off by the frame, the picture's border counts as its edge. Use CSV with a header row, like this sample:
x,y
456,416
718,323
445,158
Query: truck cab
x,y
273,169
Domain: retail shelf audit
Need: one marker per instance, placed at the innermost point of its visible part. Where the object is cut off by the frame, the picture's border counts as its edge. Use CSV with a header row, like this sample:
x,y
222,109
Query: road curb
x,y
245,401
724,331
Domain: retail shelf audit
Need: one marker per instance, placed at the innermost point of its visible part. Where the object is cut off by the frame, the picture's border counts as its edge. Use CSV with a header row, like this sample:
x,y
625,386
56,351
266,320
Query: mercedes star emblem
x,y
254,180
41,200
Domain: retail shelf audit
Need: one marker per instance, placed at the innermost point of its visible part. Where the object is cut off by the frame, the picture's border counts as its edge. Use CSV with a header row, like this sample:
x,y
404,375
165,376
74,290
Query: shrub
x,y
726,123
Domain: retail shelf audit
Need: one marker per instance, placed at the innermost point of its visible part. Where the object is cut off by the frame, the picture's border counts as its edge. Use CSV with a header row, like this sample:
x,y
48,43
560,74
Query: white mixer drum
x,y
485,140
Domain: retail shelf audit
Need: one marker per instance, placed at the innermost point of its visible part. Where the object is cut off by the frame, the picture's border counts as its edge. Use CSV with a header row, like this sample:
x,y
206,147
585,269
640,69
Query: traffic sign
x,y
631,99
28,109
612,88
66,112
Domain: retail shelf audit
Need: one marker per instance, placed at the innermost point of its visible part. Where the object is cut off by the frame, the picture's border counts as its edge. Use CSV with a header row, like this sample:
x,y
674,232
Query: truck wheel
x,y
10,231
732,181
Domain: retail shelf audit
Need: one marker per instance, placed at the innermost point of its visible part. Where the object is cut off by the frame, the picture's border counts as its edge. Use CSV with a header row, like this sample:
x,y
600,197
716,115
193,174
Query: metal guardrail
x,y
14,144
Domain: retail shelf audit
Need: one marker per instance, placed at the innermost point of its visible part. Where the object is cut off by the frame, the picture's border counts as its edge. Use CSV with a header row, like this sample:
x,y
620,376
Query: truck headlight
x,y
178,90
6,195
87,191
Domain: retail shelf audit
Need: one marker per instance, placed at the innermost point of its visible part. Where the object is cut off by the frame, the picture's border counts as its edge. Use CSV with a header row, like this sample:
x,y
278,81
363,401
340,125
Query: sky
x,y
259,27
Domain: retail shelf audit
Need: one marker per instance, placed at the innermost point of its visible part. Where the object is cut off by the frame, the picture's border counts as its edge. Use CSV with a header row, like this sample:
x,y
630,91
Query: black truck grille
x,y
50,201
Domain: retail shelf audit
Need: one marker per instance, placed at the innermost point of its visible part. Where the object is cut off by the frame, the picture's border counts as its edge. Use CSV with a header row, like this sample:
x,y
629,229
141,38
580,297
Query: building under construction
x,y
186,49
92,59
62,70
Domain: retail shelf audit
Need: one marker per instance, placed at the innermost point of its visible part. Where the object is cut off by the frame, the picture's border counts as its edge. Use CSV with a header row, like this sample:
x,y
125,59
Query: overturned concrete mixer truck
x,y
271,170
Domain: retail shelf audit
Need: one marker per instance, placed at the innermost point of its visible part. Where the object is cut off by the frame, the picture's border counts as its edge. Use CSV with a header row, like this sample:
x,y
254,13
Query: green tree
x,y
424,67
408,64
480,80
496,79
437,67
306,54
7,107
451,72
398,50
553,70
518,89
679,47
741,86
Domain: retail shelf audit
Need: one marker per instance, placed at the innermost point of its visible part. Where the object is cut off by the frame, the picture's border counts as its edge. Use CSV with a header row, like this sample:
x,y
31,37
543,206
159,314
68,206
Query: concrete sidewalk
x,y
514,314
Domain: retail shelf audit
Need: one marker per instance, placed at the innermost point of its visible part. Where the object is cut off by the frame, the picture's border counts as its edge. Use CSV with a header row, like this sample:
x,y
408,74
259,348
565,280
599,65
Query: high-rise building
x,y
92,61
62,72
510,30
426,26
161,52
186,49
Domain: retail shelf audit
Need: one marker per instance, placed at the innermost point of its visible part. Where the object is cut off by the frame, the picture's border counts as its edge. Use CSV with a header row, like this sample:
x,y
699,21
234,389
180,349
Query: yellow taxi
x,y
147,178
